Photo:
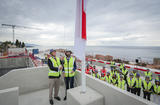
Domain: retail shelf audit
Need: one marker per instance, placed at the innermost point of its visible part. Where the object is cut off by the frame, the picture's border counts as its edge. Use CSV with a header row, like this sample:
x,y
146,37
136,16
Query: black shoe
x,y
57,98
51,101
65,98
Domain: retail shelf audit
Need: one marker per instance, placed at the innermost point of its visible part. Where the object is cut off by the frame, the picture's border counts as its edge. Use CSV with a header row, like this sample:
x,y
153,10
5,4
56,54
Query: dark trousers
x,y
69,82
132,90
147,95
138,91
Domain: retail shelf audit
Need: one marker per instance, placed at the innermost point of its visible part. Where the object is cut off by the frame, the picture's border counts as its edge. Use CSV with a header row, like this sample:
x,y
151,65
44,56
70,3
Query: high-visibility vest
x,y
157,78
68,67
134,74
138,83
114,81
148,74
124,71
95,75
131,82
56,63
121,84
108,79
112,63
103,78
156,89
111,73
121,66
147,86
118,76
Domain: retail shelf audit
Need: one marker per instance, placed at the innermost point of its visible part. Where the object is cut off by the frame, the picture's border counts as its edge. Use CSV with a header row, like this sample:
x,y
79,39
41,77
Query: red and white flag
x,y
80,30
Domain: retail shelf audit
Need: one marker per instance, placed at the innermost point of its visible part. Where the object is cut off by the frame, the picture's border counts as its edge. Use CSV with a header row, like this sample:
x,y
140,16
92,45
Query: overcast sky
x,y
109,22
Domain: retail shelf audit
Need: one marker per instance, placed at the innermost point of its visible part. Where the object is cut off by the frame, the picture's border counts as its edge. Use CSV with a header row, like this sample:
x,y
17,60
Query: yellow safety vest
x,y
114,81
134,74
121,66
108,79
112,63
118,76
138,83
121,84
130,82
95,75
56,63
156,89
103,78
157,78
111,73
124,71
147,86
148,74
68,67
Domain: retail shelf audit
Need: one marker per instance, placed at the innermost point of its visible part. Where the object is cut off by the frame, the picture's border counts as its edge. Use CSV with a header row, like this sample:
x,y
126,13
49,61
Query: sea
x,y
130,53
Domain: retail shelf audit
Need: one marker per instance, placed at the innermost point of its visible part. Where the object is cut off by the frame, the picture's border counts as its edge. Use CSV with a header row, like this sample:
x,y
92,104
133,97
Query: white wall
x,y
13,62
9,96
27,79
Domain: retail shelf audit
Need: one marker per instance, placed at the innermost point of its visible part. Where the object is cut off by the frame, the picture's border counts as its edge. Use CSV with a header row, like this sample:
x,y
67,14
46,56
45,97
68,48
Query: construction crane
x,y
17,26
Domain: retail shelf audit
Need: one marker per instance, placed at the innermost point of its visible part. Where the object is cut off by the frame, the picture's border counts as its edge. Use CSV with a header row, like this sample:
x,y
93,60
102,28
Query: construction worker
x,y
148,73
111,72
54,75
134,73
147,88
131,83
108,77
103,77
103,70
88,70
119,74
69,71
156,91
94,68
112,63
158,78
124,73
138,84
114,80
121,82
122,66
115,71
95,74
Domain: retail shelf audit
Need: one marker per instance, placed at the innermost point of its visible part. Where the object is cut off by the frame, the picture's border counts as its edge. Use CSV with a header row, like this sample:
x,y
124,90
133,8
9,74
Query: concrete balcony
x,y
32,89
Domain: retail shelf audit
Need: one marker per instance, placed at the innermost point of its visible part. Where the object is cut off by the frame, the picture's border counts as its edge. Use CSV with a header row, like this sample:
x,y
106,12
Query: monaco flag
x,y
80,30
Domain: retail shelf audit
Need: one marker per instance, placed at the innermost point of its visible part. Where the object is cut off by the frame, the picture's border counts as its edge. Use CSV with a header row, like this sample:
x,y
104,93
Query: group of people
x,y
132,82
65,66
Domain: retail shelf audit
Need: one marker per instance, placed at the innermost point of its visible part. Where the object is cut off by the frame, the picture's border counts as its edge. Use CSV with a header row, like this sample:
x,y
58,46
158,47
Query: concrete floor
x,y
40,98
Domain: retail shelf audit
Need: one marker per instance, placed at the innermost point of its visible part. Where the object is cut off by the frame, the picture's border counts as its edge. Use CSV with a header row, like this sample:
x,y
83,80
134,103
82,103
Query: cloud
x,y
109,22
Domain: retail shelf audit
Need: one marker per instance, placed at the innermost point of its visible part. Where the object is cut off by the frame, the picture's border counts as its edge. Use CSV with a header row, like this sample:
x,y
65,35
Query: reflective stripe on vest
x,y
68,67
56,63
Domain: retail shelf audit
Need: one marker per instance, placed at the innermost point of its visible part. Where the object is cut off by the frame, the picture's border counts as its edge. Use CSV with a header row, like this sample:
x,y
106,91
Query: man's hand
x,y
63,74
60,67
72,71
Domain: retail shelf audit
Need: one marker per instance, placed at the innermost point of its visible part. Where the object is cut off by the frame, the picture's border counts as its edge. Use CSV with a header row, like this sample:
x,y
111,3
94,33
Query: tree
x,y
17,43
23,45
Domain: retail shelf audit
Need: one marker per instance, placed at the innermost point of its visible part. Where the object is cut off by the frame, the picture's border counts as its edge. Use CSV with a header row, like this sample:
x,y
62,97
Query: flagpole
x,y
83,90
